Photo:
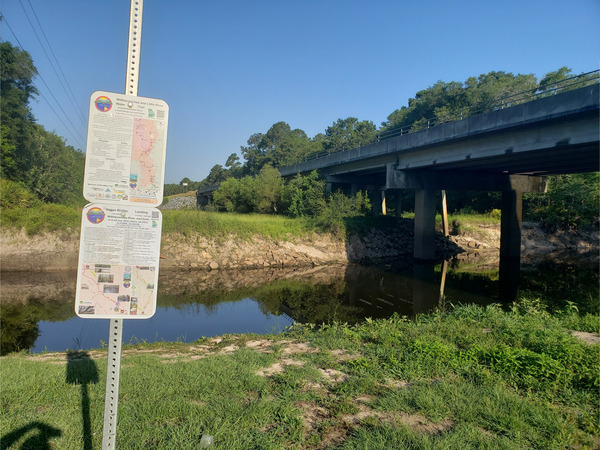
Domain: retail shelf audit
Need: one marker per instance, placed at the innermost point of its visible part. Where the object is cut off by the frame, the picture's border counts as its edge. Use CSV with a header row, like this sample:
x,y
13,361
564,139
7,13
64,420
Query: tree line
x,y
282,146
37,165
254,185
32,160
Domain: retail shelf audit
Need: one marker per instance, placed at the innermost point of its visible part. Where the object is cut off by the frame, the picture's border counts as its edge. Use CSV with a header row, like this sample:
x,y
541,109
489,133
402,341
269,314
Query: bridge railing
x,y
496,104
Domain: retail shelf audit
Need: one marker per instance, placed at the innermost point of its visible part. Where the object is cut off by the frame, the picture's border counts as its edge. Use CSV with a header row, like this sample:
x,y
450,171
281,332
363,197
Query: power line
x,y
72,98
49,60
50,92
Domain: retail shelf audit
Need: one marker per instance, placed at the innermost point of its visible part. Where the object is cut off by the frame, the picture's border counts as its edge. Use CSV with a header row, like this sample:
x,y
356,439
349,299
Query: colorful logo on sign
x,y
95,215
103,103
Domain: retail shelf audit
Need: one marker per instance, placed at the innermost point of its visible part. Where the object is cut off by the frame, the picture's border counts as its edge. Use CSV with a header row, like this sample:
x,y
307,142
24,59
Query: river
x,y
38,309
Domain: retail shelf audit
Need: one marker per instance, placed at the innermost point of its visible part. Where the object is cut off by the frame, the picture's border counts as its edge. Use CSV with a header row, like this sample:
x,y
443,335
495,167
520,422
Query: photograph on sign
x,y
126,149
119,254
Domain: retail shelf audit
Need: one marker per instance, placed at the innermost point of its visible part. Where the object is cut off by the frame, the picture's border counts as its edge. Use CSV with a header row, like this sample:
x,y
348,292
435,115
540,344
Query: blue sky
x,y
231,68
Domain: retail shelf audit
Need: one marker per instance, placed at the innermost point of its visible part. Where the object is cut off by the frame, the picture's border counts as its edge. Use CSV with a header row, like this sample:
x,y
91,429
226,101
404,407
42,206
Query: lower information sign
x,y
119,254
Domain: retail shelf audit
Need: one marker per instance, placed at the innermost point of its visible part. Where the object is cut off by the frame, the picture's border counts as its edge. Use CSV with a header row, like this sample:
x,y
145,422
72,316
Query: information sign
x,y
126,149
119,254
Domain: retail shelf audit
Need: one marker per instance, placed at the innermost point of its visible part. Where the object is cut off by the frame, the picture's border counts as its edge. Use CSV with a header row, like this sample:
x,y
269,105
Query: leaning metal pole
x,y
113,367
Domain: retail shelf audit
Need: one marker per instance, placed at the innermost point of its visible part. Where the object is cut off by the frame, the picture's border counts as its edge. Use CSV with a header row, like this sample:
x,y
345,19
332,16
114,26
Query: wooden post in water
x,y
444,213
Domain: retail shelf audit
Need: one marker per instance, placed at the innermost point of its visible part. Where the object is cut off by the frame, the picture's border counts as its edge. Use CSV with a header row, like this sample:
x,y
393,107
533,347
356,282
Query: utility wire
x,y
39,92
51,65
70,90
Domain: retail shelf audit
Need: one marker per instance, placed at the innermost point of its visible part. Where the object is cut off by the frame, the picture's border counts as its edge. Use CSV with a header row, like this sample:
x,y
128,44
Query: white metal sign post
x,y
119,249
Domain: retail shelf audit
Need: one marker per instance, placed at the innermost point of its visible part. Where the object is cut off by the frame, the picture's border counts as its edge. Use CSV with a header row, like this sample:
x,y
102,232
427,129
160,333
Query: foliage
x,y
304,196
341,207
261,194
571,202
57,176
279,146
184,186
36,158
454,100
349,133
40,218
16,84
15,195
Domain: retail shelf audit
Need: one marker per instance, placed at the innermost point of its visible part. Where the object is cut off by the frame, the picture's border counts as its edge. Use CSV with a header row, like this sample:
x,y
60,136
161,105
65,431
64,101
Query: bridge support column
x,y
510,245
424,250
399,193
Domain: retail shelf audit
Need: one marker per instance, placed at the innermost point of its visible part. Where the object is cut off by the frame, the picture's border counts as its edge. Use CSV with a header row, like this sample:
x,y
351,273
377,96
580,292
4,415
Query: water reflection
x,y
37,311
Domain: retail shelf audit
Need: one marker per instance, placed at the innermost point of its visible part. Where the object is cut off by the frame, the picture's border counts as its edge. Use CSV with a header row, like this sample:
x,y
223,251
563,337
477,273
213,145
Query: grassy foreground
x,y
471,378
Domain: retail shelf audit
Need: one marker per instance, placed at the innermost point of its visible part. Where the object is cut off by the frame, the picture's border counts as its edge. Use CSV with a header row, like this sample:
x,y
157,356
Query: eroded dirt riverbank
x,y
480,245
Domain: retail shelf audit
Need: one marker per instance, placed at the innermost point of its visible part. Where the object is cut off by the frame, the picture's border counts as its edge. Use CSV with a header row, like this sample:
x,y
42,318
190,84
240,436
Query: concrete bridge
x,y
509,150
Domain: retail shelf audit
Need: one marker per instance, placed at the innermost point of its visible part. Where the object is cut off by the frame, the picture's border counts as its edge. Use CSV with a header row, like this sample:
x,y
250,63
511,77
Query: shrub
x,y
15,195
341,207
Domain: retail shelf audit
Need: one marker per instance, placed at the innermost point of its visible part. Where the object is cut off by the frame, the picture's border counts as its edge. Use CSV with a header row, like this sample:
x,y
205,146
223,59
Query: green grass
x,y
213,224
471,378
48,217
59,218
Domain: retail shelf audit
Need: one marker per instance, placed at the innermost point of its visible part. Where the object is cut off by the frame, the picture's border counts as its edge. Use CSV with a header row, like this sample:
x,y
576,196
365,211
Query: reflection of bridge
x,y
506,150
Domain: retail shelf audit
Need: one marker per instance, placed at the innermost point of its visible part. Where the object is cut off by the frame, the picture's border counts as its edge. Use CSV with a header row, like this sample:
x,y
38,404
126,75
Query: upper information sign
x,y
126,149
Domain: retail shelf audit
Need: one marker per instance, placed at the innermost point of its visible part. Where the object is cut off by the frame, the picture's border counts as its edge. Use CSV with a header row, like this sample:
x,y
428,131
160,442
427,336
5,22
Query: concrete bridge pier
x,y
424,246
426,185
510,245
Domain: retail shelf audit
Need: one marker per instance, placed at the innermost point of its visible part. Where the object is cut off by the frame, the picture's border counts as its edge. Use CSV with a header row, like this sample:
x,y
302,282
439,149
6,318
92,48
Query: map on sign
x,y
119,256
116,290
126,149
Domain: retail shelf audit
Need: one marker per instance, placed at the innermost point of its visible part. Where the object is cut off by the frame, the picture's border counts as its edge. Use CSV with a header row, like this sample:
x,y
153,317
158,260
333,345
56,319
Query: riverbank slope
x,y
192,250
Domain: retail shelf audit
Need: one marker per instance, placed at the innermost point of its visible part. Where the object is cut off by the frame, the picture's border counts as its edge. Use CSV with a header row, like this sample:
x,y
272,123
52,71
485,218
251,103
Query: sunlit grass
x,y
44,218
214,224
471,378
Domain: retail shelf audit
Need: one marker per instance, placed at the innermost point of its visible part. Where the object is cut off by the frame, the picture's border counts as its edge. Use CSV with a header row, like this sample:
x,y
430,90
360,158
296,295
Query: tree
x,y
454,100
16,90
349,133
254,154
559,81
571,202
305,195
57,176
216,175
552,78
268,187
260,194
279,146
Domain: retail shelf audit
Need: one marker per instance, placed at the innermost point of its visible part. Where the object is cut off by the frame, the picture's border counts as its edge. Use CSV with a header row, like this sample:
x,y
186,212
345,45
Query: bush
x,y
341,207
15,195
261,194
305,196
571,202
